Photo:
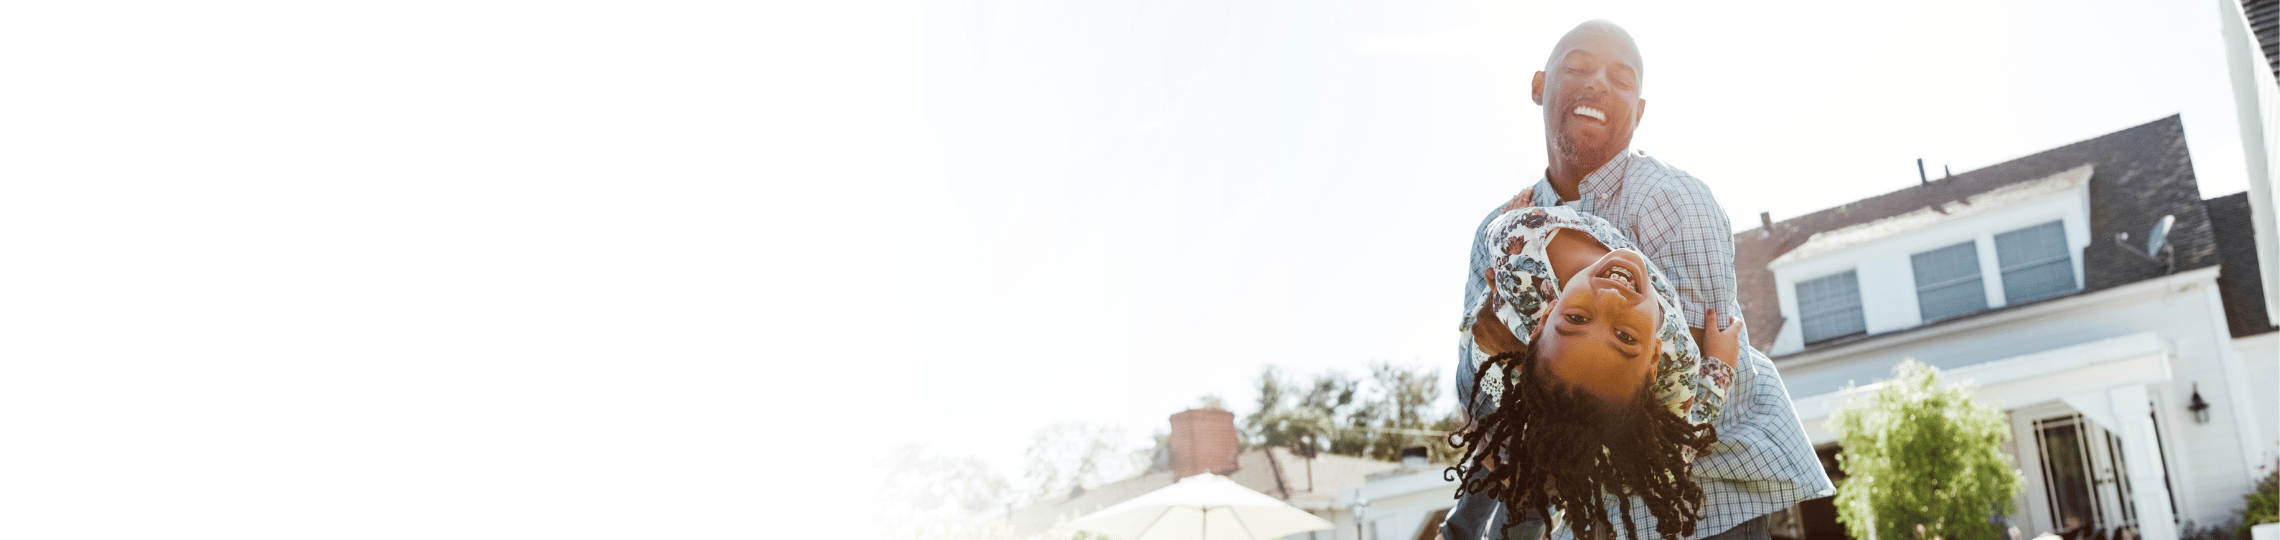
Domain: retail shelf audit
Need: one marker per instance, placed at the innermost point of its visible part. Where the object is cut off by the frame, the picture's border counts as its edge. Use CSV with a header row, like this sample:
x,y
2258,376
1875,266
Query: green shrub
x,y
2263,504
2228,530
1919,453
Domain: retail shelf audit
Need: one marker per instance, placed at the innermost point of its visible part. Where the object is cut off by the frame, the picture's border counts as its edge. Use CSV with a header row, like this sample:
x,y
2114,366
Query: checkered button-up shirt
x,y
1762,461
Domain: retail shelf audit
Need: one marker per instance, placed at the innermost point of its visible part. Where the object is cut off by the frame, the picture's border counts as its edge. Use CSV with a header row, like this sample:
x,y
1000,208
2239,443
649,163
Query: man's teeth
x,y
1591,112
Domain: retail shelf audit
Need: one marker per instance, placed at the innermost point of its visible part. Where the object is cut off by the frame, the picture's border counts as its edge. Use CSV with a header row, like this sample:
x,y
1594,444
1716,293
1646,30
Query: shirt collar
x,y
1596,187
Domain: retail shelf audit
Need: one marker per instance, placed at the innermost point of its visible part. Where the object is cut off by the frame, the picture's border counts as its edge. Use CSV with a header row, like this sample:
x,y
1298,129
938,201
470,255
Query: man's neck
x,y
1568,180
1570,184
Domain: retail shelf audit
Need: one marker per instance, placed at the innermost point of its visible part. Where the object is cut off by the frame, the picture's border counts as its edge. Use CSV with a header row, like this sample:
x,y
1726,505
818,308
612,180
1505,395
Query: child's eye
x,y
1626,338
1577,319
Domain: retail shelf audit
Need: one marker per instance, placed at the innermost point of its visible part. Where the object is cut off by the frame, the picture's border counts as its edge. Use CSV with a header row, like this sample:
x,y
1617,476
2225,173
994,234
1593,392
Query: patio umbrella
x,y
1201,507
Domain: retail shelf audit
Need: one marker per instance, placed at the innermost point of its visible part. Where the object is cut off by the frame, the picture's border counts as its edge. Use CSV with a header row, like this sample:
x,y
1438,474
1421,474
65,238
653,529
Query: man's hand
x,y
1724,345
1526,198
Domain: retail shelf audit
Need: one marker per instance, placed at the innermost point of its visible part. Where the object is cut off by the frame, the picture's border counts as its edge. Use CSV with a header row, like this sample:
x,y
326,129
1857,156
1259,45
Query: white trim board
x,y
2024,380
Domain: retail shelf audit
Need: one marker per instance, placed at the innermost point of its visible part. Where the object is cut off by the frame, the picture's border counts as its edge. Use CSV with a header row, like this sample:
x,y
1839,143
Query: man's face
x,y
1600,337
1590,93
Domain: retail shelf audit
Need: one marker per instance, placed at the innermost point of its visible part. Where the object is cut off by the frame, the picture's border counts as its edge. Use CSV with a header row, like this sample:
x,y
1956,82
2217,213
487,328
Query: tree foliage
x,y
1920,453
927,493
1068,454
1335,413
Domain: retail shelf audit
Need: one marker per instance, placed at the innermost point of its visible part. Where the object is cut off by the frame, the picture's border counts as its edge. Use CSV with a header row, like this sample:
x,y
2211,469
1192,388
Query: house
x,y
1406,503
2088,290
1204,440
2250,30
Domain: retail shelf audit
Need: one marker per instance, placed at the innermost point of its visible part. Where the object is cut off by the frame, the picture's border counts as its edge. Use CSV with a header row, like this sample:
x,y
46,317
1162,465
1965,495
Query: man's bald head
x,y
1590,92
1597,31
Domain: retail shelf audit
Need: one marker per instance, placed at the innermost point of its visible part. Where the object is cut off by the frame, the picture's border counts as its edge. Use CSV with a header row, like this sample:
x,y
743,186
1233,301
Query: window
x,y
2035,263
1830,307
1948,283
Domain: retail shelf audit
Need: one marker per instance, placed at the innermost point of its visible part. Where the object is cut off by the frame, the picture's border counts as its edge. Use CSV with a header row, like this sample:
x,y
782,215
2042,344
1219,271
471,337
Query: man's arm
x,y
1475,286
1687,234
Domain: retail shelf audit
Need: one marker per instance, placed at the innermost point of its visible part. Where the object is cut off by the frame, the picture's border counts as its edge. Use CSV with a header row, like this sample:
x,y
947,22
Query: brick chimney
x,y
1203,440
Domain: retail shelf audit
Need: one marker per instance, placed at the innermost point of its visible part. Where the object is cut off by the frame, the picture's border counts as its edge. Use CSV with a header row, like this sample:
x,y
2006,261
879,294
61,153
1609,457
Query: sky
x,y
410,269
489,268
1102,212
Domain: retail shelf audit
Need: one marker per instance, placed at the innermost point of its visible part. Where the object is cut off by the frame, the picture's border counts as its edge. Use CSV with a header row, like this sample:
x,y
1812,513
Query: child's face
x,y
1600,336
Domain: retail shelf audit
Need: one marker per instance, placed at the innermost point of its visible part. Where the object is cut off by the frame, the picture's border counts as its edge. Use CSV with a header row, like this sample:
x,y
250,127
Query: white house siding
x,y
1400,504
2206,462
2260,360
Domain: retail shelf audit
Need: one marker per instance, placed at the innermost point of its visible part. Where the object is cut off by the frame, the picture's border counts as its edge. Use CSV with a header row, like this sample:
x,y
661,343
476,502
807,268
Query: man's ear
x,y
1641,115
1536,89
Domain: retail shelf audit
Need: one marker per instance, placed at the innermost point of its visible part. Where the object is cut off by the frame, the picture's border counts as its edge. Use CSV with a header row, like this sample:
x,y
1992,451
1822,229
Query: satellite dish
x,y
2160,234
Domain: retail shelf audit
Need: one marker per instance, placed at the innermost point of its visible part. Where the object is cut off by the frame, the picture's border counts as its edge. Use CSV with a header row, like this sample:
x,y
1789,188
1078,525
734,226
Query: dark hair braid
x,y
1548,445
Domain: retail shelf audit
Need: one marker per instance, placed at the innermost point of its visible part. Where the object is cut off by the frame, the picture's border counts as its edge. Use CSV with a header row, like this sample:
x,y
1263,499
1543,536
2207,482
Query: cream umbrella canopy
x,y
1201,507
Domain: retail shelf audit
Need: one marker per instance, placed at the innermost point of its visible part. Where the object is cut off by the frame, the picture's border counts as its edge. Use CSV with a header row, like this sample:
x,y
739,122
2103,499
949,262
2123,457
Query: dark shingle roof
x,y
2237,282
2264,21
2141,174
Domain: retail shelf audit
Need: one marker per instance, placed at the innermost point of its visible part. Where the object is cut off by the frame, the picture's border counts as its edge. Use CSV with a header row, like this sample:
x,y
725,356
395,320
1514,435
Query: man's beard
x,y
1549,445
1569,151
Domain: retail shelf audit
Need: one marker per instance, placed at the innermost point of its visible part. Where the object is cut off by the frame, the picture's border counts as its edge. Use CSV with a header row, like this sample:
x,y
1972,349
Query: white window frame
x,y
1979,271
1857,286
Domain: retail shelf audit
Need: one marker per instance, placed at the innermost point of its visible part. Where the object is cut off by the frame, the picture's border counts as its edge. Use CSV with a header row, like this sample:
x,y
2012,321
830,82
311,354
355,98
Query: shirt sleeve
x,y
1475,288
1687,233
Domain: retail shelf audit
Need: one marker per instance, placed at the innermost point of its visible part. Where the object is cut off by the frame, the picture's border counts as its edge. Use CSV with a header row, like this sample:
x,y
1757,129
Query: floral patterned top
x,y
1525,289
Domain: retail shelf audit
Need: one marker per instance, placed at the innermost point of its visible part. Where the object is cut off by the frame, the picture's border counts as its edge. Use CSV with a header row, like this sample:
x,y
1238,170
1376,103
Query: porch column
x,y
2142,452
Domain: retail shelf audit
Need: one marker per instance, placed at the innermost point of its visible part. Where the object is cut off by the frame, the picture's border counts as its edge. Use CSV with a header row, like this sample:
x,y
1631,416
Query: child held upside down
x,y
1601,394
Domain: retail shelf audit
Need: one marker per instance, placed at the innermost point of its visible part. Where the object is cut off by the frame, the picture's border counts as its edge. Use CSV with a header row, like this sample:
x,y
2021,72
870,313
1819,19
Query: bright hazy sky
x,y
480,269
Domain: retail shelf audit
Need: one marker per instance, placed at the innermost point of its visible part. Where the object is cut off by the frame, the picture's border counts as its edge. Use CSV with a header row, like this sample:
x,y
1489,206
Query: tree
x,y
1069,454
1917,453
926,493
1411,400
1335,413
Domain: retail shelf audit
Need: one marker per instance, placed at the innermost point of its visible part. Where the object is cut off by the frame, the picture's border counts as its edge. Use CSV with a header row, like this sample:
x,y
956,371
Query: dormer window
x,y
2035,263
1832,307
1948,282
1954,258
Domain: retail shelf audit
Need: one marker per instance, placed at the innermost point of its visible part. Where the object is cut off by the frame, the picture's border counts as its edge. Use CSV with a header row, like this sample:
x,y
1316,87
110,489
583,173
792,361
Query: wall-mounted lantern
x,y
2200,408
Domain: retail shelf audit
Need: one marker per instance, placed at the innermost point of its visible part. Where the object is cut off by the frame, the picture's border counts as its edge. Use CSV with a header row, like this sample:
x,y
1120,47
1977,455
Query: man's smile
x,y
1595,114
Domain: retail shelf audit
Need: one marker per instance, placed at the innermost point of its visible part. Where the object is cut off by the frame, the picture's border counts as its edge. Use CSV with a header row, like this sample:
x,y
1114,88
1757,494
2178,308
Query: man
x,y
1590,92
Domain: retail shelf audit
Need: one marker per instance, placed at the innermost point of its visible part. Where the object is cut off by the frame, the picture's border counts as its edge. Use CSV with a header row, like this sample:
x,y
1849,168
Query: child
x,y
1601,395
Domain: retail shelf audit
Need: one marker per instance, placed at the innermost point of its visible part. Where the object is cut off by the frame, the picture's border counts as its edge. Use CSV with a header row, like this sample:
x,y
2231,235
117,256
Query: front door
x,y
2085,482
